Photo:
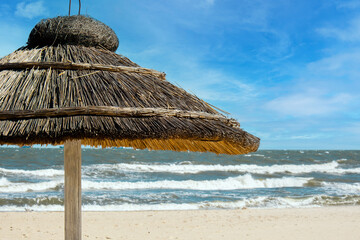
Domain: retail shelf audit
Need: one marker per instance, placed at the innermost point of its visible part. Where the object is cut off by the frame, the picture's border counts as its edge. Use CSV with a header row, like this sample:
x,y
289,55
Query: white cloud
x,y
344,64
30,9
210,2
187,69
204,4
337,73
309,104
353,128
348,4
351,33
277,47
214,85
304,137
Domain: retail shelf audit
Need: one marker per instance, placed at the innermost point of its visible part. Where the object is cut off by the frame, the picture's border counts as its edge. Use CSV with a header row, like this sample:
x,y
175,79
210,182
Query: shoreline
x,y
333,222
29,210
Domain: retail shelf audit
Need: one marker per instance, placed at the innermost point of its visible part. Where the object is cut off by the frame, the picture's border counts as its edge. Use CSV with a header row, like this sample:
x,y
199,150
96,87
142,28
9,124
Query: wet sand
x,y
307,223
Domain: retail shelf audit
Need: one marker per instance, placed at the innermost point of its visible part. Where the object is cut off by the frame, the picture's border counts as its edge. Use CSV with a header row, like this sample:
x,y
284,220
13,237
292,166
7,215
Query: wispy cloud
x,y
353,128
351,33
215,85
344,64
352,4
309,104
210,2
30,9
304,137
277,46
207,82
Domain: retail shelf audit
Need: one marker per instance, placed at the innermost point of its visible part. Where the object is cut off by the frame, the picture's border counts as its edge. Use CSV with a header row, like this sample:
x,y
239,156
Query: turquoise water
x,y
126,179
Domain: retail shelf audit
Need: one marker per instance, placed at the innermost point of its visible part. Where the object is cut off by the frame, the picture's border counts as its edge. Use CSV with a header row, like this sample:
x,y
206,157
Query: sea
x,y
120,179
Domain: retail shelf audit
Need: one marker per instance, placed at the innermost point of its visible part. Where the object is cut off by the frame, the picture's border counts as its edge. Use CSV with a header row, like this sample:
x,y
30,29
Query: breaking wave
x,y
257,202
330,167
39,173
231,183
241,182
7,186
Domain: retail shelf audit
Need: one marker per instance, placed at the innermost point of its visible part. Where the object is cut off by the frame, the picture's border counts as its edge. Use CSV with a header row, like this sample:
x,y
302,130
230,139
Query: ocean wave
x,y
36,208
254,155
39,173
7,186
342,188
285,202
32,201
99,169
241,182
103,208
4,182
246,181
257,202
330,167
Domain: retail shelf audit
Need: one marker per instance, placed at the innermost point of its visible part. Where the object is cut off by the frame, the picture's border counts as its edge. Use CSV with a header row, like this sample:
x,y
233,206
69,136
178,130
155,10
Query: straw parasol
x,y
67,86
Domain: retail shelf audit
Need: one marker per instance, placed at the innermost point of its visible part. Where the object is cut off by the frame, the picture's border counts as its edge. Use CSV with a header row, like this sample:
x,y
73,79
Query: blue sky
x,y
288,70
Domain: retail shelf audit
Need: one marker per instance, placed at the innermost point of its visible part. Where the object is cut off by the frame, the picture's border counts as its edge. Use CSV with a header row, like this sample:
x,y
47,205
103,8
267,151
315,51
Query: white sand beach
x,y
302,223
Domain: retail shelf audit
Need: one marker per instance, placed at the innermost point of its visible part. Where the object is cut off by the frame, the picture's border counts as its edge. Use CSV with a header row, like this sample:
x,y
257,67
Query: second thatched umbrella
x,y
67,86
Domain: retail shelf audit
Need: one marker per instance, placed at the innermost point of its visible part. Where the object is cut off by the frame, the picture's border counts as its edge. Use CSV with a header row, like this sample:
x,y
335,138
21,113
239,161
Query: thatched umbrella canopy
x,y
68,84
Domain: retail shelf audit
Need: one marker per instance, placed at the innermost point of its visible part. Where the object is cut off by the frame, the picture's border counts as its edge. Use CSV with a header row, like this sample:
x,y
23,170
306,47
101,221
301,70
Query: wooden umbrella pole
x,y
72,192
69,7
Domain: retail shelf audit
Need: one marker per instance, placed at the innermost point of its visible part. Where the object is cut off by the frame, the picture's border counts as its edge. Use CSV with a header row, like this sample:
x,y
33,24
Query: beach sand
x,y
306,223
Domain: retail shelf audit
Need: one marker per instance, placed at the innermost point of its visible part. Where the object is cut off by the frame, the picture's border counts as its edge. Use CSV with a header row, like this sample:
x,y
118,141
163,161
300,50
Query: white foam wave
x,y
8,186
241,182
342,188
4,182
254,154
261,202
40,173
331,168
257,202
104,208
36,208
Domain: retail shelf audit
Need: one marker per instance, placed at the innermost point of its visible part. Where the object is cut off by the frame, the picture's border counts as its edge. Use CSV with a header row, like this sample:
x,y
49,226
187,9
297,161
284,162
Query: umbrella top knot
x,y
73,30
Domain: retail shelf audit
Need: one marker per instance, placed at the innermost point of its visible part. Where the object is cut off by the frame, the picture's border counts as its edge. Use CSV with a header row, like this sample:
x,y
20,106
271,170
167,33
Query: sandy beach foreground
x,y
309,223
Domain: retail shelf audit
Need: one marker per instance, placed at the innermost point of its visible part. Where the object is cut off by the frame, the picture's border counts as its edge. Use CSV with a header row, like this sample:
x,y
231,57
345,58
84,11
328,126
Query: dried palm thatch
x,y
67,83
73,30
